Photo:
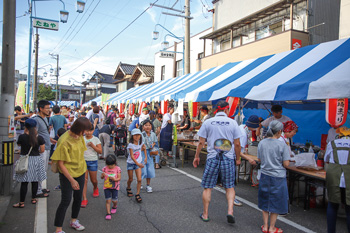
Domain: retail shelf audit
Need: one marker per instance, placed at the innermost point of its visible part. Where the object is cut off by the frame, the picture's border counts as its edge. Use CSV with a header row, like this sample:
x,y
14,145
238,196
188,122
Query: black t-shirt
x,y
23,140
186,121
107,129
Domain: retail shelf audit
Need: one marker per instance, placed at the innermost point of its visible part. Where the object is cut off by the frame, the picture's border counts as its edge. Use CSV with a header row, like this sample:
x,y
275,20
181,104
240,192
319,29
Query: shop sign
x,y
296,44
336,112
167,55
45,24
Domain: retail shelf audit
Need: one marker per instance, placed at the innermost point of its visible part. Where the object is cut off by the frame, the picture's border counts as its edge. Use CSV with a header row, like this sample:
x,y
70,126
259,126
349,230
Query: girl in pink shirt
x,y
111,175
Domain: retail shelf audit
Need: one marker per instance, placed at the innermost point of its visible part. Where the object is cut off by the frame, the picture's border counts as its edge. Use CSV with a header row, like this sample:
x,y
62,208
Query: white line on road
x,y
282,219
40,224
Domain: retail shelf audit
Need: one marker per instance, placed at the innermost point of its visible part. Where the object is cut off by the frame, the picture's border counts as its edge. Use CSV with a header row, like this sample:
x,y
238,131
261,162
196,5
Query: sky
x,y
86,33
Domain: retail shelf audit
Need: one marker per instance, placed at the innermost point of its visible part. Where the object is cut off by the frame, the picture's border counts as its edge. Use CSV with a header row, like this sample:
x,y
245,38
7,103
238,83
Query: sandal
x,y
262,229
42,195
204,219
231,218
18,205
129,193
138,198
34,200
45,190
278,230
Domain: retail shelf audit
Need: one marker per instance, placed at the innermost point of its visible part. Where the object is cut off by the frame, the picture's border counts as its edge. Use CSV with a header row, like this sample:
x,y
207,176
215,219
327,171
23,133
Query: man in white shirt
x,y
90,112
277,115
220,132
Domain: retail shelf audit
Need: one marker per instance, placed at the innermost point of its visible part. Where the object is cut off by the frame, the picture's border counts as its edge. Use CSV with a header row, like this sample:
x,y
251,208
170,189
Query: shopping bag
x,y
305,161
22,163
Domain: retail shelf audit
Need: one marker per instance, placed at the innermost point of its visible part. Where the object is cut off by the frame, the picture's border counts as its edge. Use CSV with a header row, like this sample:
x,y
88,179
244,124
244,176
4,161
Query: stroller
x,y
120,139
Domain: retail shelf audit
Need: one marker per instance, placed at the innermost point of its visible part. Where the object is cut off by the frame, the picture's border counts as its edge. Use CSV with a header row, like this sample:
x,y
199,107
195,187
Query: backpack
x,y
109,118
108,121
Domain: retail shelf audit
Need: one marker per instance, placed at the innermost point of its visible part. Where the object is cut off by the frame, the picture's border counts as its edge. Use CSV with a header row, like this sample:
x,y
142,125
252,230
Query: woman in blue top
x,y
273,191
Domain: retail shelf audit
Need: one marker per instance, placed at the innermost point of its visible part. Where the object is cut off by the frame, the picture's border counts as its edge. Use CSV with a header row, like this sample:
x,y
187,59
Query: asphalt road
x,y
174,206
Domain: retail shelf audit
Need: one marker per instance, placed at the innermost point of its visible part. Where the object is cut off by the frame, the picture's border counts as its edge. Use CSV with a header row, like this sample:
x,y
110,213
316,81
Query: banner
x,y
21,94
105,97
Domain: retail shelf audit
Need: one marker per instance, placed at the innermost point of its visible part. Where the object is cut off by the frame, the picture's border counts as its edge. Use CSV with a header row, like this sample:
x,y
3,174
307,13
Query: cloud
x,y
152,14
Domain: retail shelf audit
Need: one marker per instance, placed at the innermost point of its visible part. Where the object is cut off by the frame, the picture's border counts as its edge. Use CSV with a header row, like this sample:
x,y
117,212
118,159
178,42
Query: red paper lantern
x,y
131,109
194,109
336,112
141,106
233,102
164,106
121,107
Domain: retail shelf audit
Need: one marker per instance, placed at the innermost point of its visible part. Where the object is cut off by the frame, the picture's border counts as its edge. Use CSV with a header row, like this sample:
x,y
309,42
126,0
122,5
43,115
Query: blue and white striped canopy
x,y
65,103
313,72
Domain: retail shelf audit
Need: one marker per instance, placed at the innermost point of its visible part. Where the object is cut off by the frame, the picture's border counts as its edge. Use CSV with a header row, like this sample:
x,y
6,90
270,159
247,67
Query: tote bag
x,y
22,163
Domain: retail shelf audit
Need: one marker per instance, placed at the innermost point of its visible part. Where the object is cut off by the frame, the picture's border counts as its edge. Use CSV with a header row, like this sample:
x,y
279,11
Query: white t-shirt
x,y
331,135
206,117
166,118
143,117
100,114
219,127
286,141
90,154
266,122
244,136
342,155
136,149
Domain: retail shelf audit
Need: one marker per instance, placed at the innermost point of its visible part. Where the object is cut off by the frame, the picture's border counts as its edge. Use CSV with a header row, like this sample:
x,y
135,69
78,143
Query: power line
x,y
81,26
77,23
111,39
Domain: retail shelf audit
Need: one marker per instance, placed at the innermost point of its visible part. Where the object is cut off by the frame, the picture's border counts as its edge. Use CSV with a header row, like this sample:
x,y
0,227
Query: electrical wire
x,y
110,41
80,27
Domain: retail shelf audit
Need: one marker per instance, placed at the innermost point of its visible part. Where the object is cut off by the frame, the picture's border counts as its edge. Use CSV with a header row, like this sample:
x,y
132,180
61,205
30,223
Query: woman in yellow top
x,y
69,156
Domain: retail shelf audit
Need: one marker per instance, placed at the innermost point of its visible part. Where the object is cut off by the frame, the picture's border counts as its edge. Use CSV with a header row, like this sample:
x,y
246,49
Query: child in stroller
x,y
120,139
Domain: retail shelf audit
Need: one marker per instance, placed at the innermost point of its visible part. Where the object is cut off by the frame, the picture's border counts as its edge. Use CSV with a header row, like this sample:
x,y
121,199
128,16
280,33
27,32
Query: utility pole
x,y
187,55
7,92
57,74
35,83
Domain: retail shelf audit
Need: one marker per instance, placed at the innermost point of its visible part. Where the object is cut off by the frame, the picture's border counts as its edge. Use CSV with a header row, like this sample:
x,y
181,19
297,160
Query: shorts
x,y
131,166
92,165
227,169
111,194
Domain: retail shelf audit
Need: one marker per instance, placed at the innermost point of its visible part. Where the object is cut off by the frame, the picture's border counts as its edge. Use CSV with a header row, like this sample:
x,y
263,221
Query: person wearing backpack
x,y
95,120
105,138
112,116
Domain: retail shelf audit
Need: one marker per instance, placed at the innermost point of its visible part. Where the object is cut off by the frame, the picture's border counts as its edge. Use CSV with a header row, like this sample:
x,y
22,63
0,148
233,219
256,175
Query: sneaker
x,y
141,186
60,232
237,203
84,203
58,188
108,217
77,226
114,210
149,189
96,193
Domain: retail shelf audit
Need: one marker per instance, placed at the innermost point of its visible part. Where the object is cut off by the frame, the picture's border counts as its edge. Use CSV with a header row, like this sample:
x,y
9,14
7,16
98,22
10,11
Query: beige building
x,y
344,21
253,28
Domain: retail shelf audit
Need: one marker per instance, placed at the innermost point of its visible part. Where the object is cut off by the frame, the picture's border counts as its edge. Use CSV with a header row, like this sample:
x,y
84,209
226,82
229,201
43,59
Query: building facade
x,y
170,65
249,29
100,83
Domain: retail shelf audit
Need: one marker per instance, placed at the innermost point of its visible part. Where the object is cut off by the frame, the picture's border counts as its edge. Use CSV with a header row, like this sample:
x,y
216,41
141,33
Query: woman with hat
x,y
31,142
338,177
273,191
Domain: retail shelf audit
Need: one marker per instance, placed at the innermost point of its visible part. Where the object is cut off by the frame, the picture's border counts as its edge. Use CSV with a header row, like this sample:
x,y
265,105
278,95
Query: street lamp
x,y
155,35
63,17
80,6
80,89
165,45
45,73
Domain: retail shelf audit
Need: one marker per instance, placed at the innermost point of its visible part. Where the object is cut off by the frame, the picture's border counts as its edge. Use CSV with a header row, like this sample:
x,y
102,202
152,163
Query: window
x,y
179,68
200,55
162,73
236,41
122,86
269,30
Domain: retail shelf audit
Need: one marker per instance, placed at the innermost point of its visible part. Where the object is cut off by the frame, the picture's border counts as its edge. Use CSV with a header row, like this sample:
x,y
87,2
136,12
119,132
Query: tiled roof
x,y
127,68
104,78
148,70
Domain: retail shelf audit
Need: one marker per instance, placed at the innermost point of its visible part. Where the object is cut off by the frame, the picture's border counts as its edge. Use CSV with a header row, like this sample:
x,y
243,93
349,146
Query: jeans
x,y
157,157
66,197
332,212
24,189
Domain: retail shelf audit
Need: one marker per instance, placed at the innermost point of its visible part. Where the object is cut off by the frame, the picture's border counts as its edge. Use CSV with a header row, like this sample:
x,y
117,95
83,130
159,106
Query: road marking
x,y
282,219
40,224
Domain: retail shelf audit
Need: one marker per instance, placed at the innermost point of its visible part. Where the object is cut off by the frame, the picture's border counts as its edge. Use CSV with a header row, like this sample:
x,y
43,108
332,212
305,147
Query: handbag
x,y
22,163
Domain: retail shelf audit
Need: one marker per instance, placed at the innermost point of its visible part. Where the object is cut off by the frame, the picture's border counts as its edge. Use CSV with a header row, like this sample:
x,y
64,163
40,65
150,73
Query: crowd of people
x,y
75,139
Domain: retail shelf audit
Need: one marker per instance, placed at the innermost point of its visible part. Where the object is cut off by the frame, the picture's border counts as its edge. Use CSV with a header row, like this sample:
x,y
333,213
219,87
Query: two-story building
x,y
100,83
253,28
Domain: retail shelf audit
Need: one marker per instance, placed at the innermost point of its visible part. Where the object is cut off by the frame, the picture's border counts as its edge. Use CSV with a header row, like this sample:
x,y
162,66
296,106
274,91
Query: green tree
x,y
45,93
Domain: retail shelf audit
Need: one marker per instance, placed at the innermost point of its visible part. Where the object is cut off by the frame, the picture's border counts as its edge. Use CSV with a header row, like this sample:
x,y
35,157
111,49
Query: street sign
x,y
45,23
167,54
296,44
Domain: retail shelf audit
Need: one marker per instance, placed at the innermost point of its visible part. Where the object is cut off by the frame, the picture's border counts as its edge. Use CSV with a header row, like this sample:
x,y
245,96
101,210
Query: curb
x,y
40,223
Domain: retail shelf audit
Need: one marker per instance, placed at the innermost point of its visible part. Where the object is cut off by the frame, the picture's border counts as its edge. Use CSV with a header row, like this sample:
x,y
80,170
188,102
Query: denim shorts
x,y
92,165
131,166
111,194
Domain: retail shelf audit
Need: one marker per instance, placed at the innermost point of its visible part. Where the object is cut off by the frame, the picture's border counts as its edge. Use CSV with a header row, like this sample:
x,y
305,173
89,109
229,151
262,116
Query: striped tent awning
x,y
65,103
313,72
